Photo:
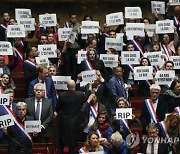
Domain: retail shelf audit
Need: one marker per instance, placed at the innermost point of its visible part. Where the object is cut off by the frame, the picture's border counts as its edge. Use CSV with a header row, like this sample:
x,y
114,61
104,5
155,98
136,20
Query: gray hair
x,y
20,104
155,86
39,85
116,137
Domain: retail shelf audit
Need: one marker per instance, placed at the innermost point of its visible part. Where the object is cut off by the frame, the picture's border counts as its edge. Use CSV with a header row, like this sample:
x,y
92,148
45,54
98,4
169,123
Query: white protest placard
x,y
60,82
90,27
135,29
48,50
114,19
176,61
47,20
81,56
64,33
22,13
164,26
143,73
4,99
130,57
82,84
14,31
133,12
158,7
110,60
150,29
42,60
32,126
174,2
125,113
119,35
155,58
164,77
5,48
116,43
29,23
87,76
6,121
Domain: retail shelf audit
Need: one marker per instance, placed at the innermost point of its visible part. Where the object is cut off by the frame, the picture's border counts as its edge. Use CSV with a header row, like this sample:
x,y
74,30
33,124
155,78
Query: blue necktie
x,y
37,110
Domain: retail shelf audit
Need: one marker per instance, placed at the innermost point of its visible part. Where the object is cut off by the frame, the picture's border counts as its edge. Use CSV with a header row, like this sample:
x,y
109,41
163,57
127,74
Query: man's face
x,y
43,40
94,44
118,72
21,112
50,38
177,11
177,88
154,94
35,52
39,92
112,34
1,61
153,133
6,17
130,47
52,71
73,18
11,97
169,66
43,74
91,55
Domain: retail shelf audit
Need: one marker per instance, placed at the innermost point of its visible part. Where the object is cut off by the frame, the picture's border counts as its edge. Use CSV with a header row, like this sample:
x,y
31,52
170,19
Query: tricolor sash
x,y
177,109
83,150
19,55
148,82
176,22
19,126
124,122
163,129
156,68
99,133
166,50
88,65
3,26
30,63
138,47
151,110
93,112
131,67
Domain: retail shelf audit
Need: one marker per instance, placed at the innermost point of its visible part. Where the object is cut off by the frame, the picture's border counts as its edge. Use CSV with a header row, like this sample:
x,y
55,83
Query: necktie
x,y
37,110
152,148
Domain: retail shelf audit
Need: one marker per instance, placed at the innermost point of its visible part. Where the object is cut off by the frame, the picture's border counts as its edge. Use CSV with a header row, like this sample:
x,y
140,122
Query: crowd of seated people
x,y
86,111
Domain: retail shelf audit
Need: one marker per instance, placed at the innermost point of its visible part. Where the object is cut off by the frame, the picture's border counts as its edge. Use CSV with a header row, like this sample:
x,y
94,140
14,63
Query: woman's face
x,y
177,88
121,104
5,79
166,38
144,62
93,140
156,47
102,119
174,122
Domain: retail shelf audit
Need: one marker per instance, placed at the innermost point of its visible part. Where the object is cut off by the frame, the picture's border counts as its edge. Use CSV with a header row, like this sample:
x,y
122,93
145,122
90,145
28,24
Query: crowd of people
x,y
87,113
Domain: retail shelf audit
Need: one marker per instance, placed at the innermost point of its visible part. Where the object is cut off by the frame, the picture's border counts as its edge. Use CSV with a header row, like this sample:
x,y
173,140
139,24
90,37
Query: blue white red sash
x,y
177,109
156,68
176,22
3,26
93,112
148,82
19,54
99,133
151,110
29,62
124,122
166,50
88,65
131,67
163,129
138,47
83,150
17,124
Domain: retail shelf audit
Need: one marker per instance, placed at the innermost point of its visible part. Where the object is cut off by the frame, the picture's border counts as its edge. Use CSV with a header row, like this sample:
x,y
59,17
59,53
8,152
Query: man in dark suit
x,y
43,78
40,108
153,109
69,105
152,144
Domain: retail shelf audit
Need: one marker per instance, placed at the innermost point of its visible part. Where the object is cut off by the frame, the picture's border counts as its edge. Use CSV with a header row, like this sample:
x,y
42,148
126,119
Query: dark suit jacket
x,y
46,114
50,90
161,110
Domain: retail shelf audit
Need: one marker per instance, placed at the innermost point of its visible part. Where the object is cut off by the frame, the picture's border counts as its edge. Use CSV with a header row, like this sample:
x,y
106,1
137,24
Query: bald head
x,y
71,85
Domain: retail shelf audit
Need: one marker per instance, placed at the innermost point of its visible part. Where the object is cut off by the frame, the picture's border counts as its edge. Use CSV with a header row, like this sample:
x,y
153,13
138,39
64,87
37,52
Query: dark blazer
x,y
46,114
161,110
162,148
69,106
50,90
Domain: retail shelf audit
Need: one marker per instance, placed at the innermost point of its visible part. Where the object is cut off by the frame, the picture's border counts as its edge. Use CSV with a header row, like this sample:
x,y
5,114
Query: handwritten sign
x,y
135,29
14,31
87,76
60,82
90,27
48,50
164,26
42,60
32,126
29,23
109,60
22,13
125,113
174,2
143,73
64,33
158,7
4,99
116,43
176,61
155,58
114,19
164,77
130,57
47,20
81,56
150,29
5,48
133,12
6,121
